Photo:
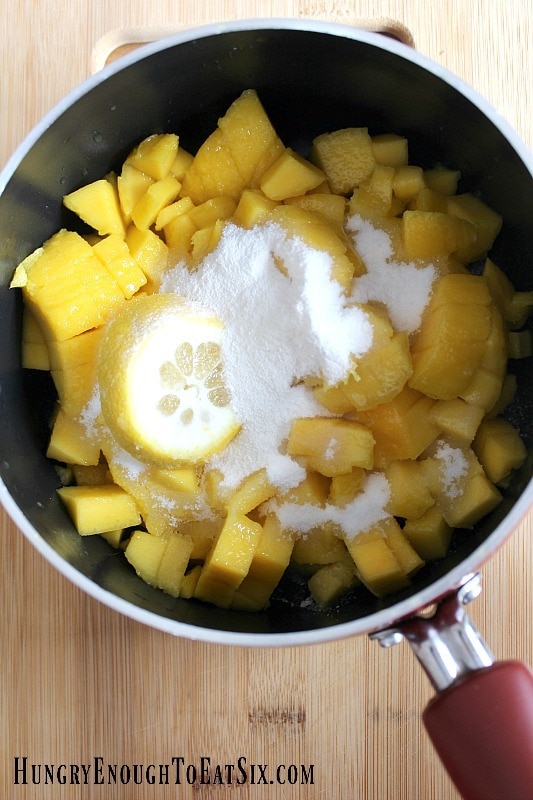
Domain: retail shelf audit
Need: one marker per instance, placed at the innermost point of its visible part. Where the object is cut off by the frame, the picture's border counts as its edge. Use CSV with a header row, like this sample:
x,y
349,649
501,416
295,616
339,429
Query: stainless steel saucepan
x,y
311,77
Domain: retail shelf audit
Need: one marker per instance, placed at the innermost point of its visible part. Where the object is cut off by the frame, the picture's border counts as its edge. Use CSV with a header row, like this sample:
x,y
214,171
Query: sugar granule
x,y
403,288
280,326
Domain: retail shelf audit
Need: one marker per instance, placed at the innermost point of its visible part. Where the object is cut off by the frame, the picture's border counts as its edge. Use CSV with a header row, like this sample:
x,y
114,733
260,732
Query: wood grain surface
x,y
79,682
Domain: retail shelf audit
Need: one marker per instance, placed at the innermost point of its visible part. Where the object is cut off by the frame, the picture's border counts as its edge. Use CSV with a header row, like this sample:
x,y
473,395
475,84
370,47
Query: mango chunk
x,y
252,208
499,448
290,175
236,155
390,149
157,196
155,155
332,581
150,254
131,186
96,509
430,534
401,428
269,562
98,205
255,489
34,348
410,496
376,564
70,443
228,562
346,157
486,221
331,446
430,234
114,254
68,289
320,545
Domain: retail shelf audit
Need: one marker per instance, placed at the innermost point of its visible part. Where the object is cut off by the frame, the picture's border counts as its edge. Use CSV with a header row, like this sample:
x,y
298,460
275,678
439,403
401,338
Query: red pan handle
x,y
482,729
481,720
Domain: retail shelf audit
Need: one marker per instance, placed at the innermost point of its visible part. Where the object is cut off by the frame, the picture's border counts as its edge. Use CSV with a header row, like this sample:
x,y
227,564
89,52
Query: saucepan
x,y
311,77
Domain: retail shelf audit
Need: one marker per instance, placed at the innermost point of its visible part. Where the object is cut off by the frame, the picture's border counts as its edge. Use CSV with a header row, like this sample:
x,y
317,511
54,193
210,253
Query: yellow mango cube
x,y
214,209
381,373
430,234
149,252
170,212
252,208
189,581
332,581
486,221
346,157
290,175
430,534
181,163
376,564
250,137
173,564
269,562
96,509
390,149
331,446
114,254
410,496
179,480
98,205
70,443
178,233
499,448
457,418
442,180
155,155
157,196
345,488
131,186
313,489
402,428
145,553
34,348
236,154
320,545
408,181
68,289
228,562
254,490
407,557
331,206
477,499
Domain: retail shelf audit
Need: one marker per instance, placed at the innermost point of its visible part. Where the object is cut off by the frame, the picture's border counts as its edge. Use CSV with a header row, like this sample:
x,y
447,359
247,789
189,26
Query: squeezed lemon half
x,y
161,382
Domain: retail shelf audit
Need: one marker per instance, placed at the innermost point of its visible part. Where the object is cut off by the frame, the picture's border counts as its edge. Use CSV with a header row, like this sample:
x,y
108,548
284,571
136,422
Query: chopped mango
x,y
331,446
290,175
228,562
499,447
346,156
97,509
98,205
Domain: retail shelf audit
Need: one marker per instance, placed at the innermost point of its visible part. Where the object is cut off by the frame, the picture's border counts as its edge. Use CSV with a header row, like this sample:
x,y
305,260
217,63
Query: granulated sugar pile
x,y
281,325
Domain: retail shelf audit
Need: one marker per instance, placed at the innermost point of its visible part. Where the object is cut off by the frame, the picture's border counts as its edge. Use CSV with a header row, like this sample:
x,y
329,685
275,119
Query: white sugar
x,y
367,509
454,467
91,412
280,326
403,288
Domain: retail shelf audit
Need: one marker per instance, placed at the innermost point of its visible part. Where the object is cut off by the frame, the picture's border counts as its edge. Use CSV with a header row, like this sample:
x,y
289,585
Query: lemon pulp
x,y
161,382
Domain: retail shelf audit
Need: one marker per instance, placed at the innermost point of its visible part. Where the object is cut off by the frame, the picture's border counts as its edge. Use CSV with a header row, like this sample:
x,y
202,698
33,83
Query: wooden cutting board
x,y
81,683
